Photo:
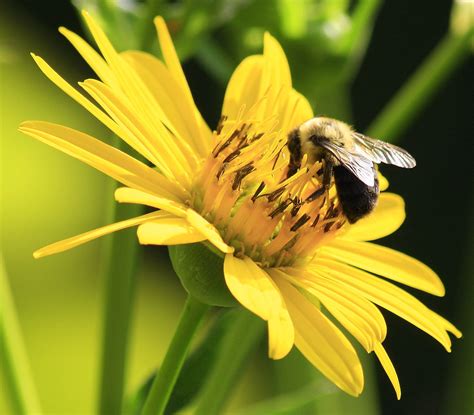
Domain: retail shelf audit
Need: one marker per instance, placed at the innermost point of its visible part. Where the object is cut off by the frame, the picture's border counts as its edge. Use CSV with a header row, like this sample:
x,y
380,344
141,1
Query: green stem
x,y
428,78
120,283
240,340
167,375
13,357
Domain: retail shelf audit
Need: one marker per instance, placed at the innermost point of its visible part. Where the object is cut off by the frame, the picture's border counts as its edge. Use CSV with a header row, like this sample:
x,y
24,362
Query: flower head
x,y
286,257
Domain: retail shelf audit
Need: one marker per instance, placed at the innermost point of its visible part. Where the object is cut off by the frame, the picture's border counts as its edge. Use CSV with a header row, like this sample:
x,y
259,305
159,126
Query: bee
x,y
348,156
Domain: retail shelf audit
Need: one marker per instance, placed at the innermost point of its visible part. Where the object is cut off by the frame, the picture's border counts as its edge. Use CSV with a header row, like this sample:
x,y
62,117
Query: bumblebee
x,y
348,156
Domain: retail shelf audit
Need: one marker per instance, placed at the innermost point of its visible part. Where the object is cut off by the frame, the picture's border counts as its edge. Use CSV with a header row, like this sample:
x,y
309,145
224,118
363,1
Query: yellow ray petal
x,y
93,59
358,315
70,243
170,98
386,295
321,342
141,102
389,368
385,262
447,325
383,182
168,231
89,106
243,87
174,66
129,195
207,229
277,63
387,217
134,125
103,157
256,291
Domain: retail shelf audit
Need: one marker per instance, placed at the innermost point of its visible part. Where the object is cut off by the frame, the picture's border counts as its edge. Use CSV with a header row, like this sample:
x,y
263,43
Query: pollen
x,y
244,190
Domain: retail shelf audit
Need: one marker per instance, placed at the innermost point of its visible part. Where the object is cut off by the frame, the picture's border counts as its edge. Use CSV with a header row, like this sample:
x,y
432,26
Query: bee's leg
x,y
327,175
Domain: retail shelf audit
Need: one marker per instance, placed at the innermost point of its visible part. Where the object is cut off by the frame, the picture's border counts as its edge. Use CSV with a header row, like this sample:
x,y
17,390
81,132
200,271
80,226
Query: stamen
x,y
275,194
300,222
220,124
281,208
240,175
259,190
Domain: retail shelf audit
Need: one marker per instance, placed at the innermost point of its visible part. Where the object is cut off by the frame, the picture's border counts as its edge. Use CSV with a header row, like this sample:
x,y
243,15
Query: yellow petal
x,y
321,342
103,157
277,63
447,325
256,291
383,182
93,59
70,243
174,66
385,262
163,155
170,98
168,231
243,86
207,229
141,103
129,195
54,77
358,315
389,368
386,295
386,218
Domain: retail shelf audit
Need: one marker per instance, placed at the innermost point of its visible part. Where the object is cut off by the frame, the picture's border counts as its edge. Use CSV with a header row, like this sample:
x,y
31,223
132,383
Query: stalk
x,y
13,357
167,375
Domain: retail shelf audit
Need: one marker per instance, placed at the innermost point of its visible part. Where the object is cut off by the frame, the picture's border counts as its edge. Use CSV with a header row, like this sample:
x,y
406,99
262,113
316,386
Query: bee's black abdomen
x,y
356,198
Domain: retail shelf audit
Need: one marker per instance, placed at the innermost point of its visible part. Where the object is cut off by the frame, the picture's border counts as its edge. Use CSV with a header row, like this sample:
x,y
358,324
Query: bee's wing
x,y
381,152
358,164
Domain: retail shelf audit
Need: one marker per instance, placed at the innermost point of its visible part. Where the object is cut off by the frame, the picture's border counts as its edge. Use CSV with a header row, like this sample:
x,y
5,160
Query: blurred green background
x,y
47,196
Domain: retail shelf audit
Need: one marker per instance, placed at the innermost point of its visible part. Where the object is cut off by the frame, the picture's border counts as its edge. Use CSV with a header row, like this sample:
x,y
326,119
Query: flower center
x,y
245,191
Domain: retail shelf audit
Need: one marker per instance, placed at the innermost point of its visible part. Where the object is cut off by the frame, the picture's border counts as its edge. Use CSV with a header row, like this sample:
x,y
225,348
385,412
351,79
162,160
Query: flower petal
x,y
207,229
386,218
389,368
174,66
243,86
383,182
54,77
386,295
103,157
385,262
169,96
321,342
129,195
358,315
93,59
163,154
168,231
256,291
140,102
70,243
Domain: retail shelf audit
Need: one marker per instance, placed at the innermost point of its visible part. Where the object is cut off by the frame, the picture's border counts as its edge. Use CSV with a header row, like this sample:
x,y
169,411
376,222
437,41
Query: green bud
x,y
201,272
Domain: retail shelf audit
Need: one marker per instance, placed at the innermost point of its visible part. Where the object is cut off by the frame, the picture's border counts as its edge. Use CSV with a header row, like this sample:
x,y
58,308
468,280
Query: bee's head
x,y
322,127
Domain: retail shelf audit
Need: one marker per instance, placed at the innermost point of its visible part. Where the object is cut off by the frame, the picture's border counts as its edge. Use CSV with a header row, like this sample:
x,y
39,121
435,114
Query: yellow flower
x,y
284,259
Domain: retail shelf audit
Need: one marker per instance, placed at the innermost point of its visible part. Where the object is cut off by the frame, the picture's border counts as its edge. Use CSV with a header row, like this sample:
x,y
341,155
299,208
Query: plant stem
x,y
167,375
13,357
239,341
119,293
428,78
